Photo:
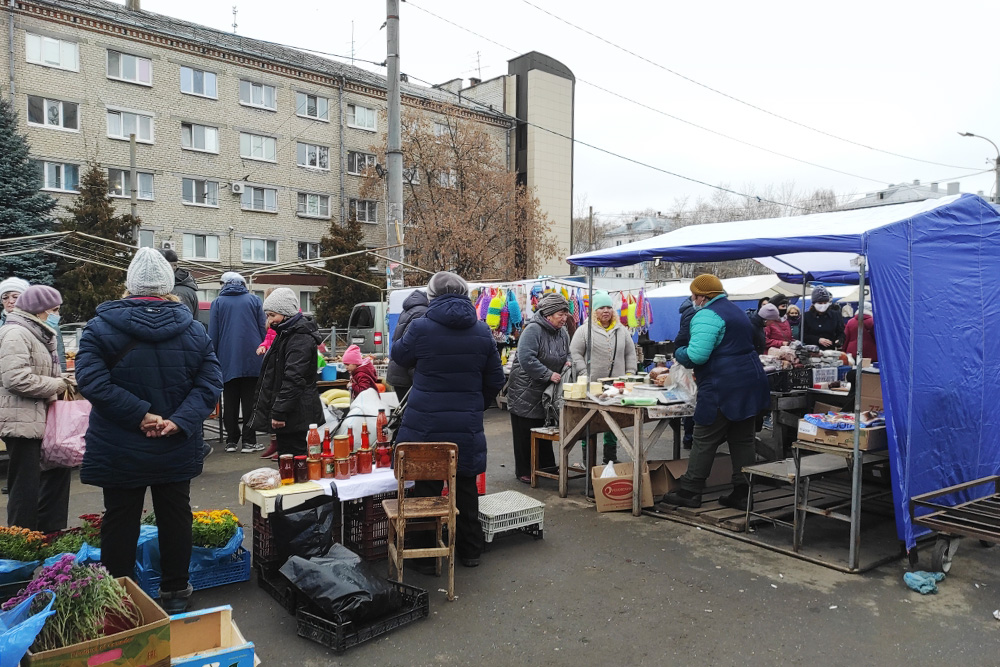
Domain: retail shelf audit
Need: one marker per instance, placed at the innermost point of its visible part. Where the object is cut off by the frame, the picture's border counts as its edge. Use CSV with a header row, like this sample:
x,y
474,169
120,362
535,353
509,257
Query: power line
x,y
727,95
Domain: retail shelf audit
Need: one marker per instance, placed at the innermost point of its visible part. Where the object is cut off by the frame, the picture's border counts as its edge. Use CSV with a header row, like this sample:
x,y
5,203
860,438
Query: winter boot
x,y
737,499
176,602
682,498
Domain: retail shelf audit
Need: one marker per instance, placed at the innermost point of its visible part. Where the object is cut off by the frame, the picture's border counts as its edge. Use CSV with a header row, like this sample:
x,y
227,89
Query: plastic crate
x,y
800,378
236,570
824,375
338,636
10,589
778,381
843,371
265,549
278,587
366,527
511,510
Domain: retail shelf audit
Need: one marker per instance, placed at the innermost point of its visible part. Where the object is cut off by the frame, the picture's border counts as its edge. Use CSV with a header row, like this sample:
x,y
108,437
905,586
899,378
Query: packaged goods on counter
x,y
262,478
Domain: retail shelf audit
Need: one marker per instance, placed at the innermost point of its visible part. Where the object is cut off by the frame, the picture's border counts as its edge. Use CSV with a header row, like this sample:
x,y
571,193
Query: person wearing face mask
x,y
10,289
778,331
30,380
732,391
286,400
823,324
612,353
795,321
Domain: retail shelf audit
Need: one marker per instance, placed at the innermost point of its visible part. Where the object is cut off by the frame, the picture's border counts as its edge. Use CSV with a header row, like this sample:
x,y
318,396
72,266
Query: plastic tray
x,y
366,527
338,636
511,510
236,570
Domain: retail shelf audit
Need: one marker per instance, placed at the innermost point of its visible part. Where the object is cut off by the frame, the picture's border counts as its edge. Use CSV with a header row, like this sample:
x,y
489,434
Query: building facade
x,y
246,150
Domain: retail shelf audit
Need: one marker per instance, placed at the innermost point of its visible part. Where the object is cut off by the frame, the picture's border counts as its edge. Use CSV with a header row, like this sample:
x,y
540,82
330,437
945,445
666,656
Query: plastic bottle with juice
x,y
314,445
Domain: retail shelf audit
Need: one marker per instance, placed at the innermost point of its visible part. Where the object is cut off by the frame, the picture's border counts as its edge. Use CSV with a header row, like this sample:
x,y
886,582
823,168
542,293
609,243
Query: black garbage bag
x,y
341,584
305,530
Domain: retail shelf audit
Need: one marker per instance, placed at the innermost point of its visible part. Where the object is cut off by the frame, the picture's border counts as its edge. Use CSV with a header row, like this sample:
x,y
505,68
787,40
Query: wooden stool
x,y
551,434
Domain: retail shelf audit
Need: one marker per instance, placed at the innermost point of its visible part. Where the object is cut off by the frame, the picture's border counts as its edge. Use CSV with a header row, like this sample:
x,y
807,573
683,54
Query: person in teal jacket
x,y
732,391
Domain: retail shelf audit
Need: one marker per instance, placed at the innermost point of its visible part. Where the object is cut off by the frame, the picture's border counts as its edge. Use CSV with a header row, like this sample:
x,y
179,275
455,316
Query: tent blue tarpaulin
x,y
935,268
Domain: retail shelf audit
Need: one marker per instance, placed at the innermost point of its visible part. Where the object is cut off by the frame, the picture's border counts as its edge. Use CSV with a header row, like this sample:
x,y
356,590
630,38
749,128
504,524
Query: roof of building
x,y
898,194
172,27
642,226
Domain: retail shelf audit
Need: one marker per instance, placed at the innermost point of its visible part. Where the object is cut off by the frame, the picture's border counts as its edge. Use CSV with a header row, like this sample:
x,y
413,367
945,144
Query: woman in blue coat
x,y
457,374
148,369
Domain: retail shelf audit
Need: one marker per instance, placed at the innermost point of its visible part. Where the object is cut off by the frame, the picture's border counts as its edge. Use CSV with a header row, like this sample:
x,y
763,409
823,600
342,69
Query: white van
x,y
368,327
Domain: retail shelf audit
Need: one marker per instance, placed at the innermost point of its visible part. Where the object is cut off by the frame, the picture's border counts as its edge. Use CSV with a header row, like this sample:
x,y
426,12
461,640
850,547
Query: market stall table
x,y
577,414
380,480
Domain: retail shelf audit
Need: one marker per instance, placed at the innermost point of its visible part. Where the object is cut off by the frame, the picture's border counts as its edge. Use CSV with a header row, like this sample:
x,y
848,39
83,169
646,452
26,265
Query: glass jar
x,y
328,466
286,468
343,468
301,469
364,461
341,447
315,467
353,461
383,455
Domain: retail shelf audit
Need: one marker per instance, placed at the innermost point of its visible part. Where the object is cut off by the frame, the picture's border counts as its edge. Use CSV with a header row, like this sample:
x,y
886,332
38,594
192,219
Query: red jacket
x,y
868,348
363,378
777,334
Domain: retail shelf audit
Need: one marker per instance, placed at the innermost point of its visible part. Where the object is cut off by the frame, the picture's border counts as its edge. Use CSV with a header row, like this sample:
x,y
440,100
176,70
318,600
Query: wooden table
x,y
577,414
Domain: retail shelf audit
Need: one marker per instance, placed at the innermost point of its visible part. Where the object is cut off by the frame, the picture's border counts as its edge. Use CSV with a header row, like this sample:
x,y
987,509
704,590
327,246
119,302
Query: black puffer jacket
x,y
541,351
286,389
687,311
414,307
186,289
759,337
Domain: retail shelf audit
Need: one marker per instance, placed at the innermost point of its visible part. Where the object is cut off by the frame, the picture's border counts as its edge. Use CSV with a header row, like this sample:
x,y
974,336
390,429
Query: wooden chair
x,y
551,434
423,461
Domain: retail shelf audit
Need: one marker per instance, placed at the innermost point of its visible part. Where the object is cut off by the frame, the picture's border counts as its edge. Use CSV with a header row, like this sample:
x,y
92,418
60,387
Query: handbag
x,y
64,443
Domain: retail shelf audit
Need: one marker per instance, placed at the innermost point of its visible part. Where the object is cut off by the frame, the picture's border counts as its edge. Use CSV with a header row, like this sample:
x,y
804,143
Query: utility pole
x,y
996,163
394,154
592,228
134,184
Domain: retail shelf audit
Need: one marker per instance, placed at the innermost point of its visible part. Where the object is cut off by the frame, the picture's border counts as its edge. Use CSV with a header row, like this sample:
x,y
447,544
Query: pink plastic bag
x,y
65,427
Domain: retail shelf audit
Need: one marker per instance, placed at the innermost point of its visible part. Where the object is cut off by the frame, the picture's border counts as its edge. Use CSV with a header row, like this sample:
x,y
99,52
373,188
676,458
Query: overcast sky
x,y
901,76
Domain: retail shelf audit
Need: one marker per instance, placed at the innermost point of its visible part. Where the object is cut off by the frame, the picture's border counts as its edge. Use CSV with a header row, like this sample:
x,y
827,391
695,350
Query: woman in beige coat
x,y
29,381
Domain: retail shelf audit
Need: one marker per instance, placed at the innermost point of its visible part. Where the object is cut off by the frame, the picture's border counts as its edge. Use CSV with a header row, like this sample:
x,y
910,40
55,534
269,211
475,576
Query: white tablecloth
x,y
380,480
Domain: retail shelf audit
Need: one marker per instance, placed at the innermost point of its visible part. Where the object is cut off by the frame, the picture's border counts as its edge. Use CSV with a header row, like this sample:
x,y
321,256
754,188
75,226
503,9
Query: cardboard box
x,y
209,637
615,493
145,646
871,392
823,408
664,475
871,438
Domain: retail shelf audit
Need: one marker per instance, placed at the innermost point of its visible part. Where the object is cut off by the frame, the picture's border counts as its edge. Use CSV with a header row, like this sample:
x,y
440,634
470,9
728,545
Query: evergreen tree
x,y
84,285
335,300
24,210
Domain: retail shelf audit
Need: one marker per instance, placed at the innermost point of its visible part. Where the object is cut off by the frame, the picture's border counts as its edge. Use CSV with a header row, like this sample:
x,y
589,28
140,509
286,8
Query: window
x,y
146,238
311,106
257,95
120,185
311,155
411,175
198,82
52,52
316,206
200,137
260,250
358,162
57,176
126,67
257,147
361,117
441,130
448,179
53,113
259,199
208,294
199,193
306,302
123,123
308,250
201,246
364,210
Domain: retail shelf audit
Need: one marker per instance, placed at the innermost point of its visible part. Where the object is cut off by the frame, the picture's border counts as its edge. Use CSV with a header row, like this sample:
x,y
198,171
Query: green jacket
x,y
707,330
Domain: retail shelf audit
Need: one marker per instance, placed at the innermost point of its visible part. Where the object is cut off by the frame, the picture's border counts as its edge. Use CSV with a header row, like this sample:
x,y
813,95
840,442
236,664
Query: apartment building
x,y
246,150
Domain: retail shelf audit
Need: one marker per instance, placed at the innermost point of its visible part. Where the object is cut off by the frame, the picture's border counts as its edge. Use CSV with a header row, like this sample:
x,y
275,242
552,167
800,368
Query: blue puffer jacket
x,y
457,375
237,326
169,369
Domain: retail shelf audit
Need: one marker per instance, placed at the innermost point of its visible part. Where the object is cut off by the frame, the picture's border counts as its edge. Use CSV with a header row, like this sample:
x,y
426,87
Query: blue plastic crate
x,y
843,371
236,570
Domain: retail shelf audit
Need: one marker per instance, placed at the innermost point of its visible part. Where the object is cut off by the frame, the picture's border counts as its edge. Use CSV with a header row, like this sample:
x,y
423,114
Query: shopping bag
x,y
63,443
18,629
305,530
682,384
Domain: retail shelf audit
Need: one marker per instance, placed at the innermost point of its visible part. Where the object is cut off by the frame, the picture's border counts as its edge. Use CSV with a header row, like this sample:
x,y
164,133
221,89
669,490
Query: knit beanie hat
x,y
446,282
352,355
602,300
706,285
769,312
149,274
821,295
38,298
779,300
230,276
283,302
552,303
13,284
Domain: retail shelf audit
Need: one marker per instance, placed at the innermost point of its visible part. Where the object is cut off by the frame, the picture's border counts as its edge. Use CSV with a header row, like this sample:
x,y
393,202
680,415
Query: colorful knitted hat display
x,y
493,314
514,311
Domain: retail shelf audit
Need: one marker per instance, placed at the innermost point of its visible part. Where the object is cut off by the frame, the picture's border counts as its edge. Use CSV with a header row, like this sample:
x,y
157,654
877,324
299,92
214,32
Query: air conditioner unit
x,y
237,187
167,245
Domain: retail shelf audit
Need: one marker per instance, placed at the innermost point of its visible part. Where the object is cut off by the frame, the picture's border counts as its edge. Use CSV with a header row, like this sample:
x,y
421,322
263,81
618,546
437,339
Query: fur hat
x,y
39,298
706,285
149,274
283,302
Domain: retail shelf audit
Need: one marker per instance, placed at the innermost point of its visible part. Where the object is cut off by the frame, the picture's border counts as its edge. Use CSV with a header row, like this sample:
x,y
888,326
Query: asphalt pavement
x,y
613,589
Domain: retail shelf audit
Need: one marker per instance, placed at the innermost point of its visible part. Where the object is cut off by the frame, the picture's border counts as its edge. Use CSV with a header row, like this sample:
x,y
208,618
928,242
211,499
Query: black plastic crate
x,y
338,635
801,378
366,527
265,550
277,586
778,381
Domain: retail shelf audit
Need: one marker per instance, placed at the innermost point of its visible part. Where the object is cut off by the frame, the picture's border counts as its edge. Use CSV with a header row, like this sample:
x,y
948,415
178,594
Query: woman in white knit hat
x,y
10,289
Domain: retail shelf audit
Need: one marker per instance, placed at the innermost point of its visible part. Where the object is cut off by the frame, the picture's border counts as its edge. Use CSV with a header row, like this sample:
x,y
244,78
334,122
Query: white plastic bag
x,y
364,408
609,471
682,383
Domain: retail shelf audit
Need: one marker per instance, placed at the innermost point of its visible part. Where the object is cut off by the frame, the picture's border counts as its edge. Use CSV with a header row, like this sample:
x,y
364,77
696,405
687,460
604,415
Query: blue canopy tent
x,y
935,270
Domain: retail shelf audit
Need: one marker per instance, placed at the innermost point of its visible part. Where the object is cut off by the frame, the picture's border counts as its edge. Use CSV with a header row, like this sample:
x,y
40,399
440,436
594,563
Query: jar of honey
x,y
329,467
286,468
301,469
315,465
343,469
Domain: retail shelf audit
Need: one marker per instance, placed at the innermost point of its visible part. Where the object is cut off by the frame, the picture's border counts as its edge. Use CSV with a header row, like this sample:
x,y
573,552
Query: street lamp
x,y
996,163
